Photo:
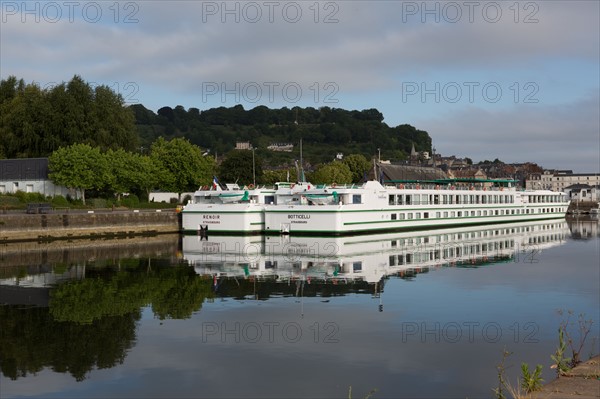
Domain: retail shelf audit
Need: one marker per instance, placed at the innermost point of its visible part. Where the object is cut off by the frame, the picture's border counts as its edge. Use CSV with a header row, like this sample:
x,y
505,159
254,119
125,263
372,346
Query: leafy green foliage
x,y
79,166
60,201
359,166
274,176
333,172
531,381
185,167
35,121
324,131
237,167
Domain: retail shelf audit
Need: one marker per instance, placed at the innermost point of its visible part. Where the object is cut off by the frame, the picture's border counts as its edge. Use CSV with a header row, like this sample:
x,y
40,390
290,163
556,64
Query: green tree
x,y
81,167
359,165
185,167
333,172
239,167
274,176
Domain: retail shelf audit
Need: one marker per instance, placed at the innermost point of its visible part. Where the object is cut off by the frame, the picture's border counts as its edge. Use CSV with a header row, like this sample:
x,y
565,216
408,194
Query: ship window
x,y
410,215
436,199
437,215
445,214
269,199
408,199
400,259
391,200
394,216
426,215
418,215
401,215
399,199
459,213
452,214
356,199
357,267
392,260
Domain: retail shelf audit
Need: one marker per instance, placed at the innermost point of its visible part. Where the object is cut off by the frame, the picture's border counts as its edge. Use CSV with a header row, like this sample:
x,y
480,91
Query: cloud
x,y
554,136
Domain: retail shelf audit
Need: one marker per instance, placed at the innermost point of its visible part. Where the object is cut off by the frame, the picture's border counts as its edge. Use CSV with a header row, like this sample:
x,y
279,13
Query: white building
x,y
29,175
583,192
560,180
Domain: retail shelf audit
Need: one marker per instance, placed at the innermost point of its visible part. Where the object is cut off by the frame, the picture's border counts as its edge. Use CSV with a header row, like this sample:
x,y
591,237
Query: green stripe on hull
x,y
327,233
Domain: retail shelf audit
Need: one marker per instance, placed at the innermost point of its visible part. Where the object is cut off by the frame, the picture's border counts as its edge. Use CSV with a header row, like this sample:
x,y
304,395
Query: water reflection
x,y
79,306
367,259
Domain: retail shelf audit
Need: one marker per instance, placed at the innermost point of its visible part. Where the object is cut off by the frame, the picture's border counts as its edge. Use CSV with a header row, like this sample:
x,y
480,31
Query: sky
x,y
514,80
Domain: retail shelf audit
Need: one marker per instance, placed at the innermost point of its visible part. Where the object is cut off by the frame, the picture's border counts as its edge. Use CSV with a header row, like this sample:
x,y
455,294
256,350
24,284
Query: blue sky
x,y
518,81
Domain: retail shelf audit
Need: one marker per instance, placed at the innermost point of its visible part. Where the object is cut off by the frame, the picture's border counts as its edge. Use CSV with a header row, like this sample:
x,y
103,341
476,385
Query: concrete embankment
x,y
584,207
583,382
55,226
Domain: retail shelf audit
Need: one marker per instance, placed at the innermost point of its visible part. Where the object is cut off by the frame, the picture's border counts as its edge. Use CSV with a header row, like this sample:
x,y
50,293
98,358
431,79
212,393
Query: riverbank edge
x,y
66,226
582,382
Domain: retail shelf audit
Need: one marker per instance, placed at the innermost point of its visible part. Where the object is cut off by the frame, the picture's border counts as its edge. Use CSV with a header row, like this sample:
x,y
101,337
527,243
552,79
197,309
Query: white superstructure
x,y
373,208
235,210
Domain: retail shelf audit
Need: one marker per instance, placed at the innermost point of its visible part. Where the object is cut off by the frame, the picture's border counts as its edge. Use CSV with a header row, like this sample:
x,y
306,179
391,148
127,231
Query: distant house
x,y
243,145
282,147
30,175
583,192
467,174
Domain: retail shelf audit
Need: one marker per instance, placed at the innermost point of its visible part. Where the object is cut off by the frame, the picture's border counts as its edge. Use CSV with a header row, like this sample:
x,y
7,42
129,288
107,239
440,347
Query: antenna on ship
x,y
301,179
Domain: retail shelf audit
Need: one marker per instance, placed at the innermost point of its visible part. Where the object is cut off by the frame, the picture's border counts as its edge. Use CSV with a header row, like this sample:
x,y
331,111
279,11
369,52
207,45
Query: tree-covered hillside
x,y
36,121
324,131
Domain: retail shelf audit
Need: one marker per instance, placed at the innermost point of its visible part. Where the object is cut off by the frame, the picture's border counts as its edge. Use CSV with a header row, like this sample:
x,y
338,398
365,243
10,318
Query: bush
x,y
131,201
8,200
98,203
29,197
60,201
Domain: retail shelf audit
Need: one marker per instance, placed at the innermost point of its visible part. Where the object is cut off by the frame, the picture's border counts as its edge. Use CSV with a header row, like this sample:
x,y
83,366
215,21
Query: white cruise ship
x,y
373,208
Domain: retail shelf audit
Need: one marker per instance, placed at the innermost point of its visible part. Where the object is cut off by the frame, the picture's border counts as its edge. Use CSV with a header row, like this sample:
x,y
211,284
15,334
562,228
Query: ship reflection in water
x,y
367,259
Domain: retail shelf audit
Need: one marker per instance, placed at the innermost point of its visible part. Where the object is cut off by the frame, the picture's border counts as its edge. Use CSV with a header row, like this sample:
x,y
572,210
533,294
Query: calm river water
x,y
422,314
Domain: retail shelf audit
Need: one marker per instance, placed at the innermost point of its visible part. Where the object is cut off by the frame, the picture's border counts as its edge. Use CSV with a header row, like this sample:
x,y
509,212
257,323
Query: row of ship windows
x,y
475,235
454,214
436,199
449,253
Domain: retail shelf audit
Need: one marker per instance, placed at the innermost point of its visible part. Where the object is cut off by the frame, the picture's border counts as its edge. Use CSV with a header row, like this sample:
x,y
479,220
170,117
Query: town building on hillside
x,y
243,145
30,175
467,174
559,180
281,147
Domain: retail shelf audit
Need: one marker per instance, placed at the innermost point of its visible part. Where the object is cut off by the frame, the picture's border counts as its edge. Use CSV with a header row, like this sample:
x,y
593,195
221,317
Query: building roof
x,y
578,187
410,173
24,169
